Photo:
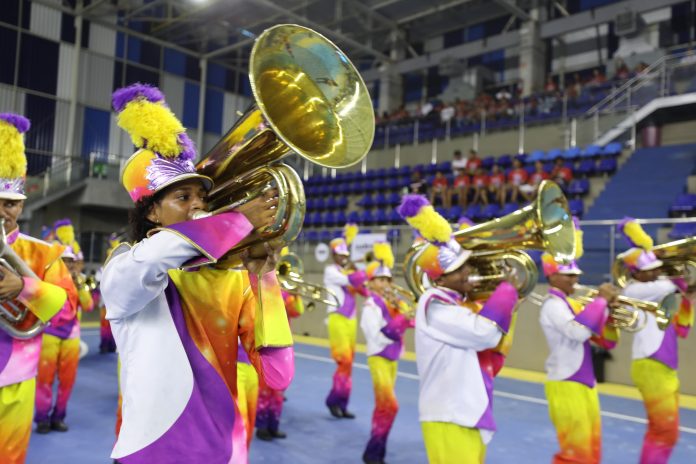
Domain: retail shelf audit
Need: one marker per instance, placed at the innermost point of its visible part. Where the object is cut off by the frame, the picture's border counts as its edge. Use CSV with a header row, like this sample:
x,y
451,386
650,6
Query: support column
x,y
390,81
201,107
74,89
532,54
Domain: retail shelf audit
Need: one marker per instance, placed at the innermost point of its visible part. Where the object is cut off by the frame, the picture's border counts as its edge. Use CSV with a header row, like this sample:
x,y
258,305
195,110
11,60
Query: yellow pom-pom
x,y
66,234
637,235
579,250
432,226
154,124
75,247
350,231
13,162
383,253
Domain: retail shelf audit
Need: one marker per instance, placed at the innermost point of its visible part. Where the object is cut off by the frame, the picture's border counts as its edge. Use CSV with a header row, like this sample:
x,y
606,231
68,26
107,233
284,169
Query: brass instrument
x,y
397,294
310,100
15,317
545,224
679,258
625,311
289,270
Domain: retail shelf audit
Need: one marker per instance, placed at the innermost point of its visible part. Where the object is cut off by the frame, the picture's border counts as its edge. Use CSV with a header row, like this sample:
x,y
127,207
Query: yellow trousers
x,y
342,334
247,397
16,415
447,443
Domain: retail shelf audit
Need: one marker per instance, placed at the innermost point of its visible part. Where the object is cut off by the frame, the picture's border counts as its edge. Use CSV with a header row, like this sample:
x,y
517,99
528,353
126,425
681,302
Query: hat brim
x,y
571,272
651,266
459,262
341,253
12,196
207,181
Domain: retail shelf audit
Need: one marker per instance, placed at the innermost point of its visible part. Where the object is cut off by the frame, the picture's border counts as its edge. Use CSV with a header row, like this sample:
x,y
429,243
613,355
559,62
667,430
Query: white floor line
x,y
502,394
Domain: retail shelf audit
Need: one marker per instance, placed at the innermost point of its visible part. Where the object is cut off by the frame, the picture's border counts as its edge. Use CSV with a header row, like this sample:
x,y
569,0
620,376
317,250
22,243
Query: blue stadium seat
x,y
490,211
394,217
607,166
394,183
592,150
510,207
579,187
487,163
381,217
366,218
331,203
354,217
505,161
554,153
612,149
572,153
381,200
685,203
473,212
319,204
342,203
312,236
329,219
683,230
367,201
577,207
536,155
455,213
341,218
586,167
325,236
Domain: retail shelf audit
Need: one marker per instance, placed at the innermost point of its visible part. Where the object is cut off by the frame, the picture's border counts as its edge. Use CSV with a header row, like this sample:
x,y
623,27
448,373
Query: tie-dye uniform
x,y
570,389
247,392
384,328
177,331
270,401
19,359
107,344
342,329
654,368
60,354
456,397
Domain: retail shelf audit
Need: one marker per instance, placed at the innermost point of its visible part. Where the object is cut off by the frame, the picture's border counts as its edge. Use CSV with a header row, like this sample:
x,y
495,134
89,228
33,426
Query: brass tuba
x,y
679,258
310,100
289,271
15,317
545,224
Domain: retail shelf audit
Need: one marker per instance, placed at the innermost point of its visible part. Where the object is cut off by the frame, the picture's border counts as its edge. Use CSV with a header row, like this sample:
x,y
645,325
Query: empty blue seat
x,y
329,219
572,153
487,163
554,153
317,220
592,150
579,187
331,203
312,236
367,218
311,204
683,230
684,203
381,217
341,218
394,183
380,185
612,149
342,203
394,217
510,207
405,171
586,168
319,204
473,212
367,201
577,207
354,217
431,169
455,213
381,200
505,161
393,235
490,211
325,236
445,166
536,155
441,211
381,173
607,166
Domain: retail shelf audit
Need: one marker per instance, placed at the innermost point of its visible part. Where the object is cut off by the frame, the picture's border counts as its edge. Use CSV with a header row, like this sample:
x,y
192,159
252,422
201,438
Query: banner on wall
x,y
363,243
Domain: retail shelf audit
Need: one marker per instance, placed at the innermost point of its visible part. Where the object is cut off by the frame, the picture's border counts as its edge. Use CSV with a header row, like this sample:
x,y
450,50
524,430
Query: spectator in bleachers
x,y
447,113
561,174
598,78
473,163
480,185
550,86
417,184
496,185
461,187
458,162
440,189
517,177
528,190
621,71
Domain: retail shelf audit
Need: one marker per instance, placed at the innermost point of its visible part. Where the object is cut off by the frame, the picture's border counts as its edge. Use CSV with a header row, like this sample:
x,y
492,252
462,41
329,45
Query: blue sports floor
x,y
525,434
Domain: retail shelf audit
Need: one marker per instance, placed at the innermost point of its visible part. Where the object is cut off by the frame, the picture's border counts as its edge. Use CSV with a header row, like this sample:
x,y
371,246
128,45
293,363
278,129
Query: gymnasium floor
x,y
524,433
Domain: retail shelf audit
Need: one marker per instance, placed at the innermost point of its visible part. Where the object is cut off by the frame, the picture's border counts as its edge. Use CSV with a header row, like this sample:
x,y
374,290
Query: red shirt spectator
x,y
462,180
517,176
563,173
480,180
440,182
536,177
473,163
497,179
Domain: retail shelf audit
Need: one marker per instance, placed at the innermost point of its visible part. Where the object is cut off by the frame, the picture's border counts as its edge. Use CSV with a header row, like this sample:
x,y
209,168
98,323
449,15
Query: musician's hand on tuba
x,y
261,211
609,292
264,264
11,284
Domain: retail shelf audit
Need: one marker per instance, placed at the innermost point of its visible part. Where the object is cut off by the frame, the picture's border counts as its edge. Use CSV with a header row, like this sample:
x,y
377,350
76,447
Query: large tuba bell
x,y
15,317
289,271
545,224
309,99
679,258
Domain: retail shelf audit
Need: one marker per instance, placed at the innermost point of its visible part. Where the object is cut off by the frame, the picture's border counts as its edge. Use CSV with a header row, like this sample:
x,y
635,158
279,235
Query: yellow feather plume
x,y
432,226
13,162
579,249
153,123
75,247
349,233
383,252
637,235
66,234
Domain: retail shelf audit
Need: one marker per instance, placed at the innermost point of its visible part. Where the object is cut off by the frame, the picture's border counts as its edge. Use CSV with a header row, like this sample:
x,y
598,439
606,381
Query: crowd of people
x,y
469,183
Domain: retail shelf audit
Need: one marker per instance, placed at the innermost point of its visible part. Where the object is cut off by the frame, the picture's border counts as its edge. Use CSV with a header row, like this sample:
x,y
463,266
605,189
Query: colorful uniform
x,y
19,359
177,328
342,329
383,327
60,354
456,397
270,401
247,392
570,389
654,369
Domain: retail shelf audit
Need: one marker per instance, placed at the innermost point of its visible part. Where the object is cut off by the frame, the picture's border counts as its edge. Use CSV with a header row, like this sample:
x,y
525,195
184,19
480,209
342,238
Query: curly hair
x,y
139,224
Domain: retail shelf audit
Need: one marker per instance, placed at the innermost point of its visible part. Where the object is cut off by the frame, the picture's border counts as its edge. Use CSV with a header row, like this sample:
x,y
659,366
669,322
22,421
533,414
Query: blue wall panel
x,y
8,39
216,75
214,101
191,94
133,51
38,64
174,62
95,132
41,112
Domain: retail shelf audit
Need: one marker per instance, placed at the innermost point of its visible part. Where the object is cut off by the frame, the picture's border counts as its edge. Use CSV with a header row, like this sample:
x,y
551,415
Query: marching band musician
x,y
176,329
383,323
655,351
345,281
60,347
570,388
270,400
53,294
456,398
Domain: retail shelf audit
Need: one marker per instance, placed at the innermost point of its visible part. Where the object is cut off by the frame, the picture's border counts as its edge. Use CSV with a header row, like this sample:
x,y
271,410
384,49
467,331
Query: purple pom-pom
x,y
411,204
188,150
125,95
21,123
61,223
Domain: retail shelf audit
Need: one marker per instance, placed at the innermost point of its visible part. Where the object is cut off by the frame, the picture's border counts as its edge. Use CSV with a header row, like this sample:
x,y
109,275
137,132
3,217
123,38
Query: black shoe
x,y
43,427
264,434
279,434
372,461
348,415
59,426
336,411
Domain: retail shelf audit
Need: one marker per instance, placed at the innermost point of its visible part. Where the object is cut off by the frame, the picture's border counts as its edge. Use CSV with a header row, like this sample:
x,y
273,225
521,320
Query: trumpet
x,y
308,99
545,224
679,258
397,295
624,311
289,271
15,317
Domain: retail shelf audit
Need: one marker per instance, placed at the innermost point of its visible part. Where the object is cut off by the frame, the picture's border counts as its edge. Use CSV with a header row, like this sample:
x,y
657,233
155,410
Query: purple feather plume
x,y
125,95
411,204
61,223
21,123
188,149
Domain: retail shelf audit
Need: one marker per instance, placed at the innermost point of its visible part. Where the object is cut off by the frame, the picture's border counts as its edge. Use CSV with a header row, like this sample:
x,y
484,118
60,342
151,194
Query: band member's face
x,y
380,284
71,264
341,260
564,282
10,211
647,276
179,203
457,280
